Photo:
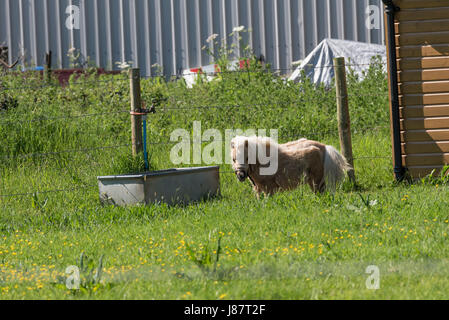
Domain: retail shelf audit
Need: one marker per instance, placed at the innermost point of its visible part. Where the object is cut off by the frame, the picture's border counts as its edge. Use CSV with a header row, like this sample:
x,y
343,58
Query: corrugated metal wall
x,y
171,33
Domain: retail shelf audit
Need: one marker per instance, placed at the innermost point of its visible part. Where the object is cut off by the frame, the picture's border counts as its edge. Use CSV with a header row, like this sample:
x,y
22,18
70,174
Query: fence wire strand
x,y
249,70
173,76
167,108
59,85
168,141
48,192
56,153
81,116
89,187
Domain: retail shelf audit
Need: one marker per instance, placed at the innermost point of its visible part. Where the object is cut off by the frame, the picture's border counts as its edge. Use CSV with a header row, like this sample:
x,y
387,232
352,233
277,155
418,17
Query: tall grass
x,y
253,99
292,245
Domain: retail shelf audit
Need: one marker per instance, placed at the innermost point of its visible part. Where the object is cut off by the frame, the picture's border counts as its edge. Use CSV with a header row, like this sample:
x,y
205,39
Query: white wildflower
x,y
123,65
373,203
211,38
238,29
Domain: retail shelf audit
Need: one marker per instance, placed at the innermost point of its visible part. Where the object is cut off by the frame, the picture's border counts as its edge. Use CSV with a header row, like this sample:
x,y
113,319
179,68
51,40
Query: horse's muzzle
x,y
241,175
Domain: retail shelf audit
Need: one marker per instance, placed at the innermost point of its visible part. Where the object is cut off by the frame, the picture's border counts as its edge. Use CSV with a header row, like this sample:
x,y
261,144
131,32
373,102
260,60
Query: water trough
x,y
173,186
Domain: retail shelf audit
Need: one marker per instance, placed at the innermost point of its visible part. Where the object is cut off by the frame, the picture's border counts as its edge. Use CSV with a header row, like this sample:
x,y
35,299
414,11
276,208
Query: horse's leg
x,y
321,184
257,190
315,186
315,179
311,181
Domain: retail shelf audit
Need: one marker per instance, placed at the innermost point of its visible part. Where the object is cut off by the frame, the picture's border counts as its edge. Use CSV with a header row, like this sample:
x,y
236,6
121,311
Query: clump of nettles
x,y
127,164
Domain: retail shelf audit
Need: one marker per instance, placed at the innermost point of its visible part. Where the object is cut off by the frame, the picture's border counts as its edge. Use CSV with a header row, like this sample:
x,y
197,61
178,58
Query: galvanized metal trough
x,y
173,186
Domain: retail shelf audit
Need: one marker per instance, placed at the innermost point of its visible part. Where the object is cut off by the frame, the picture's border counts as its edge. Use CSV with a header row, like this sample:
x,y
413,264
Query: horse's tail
x,y
335,167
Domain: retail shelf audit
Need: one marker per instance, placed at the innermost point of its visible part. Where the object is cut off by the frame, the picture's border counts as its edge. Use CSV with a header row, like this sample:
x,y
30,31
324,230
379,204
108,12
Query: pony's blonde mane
x,y
255,140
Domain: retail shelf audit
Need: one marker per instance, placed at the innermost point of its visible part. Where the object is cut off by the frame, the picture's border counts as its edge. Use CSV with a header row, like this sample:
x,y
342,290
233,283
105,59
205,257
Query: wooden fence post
x,y
344,120
136,120
47,69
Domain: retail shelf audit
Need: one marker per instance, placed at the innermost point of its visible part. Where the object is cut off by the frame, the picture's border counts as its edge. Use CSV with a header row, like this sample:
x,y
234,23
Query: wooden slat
x,y
413,4
423,50
423,99
423,63
424,111
423,75
422,47
422,26
425,135
423,14
431,159
423,171
424,87
425,147
425,123
427,38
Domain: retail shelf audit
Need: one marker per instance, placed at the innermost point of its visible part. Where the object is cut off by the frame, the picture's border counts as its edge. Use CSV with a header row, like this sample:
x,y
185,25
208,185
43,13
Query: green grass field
x,y
294,245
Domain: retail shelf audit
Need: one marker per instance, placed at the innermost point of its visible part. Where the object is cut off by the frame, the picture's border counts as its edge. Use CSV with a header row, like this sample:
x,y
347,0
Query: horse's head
x,y
254,156
239,154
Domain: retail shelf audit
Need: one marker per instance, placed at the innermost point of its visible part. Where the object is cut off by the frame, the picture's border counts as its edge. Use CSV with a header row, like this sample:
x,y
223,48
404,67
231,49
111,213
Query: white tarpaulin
x,y
191,75
318,66
209,72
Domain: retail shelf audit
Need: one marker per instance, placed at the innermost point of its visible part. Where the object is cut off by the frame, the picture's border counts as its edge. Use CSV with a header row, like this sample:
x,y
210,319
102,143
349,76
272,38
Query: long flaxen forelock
x,y
255,143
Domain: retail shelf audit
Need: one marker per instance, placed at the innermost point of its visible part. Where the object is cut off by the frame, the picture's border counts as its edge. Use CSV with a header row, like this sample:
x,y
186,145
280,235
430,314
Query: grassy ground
x,y
295,245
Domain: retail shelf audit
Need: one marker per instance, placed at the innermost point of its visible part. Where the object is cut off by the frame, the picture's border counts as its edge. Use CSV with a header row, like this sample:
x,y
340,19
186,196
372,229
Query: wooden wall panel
x,y
423,63
425,147
414,4
423,99
423,14
423,75
423,86
429,159
425,123
421,26
423,171
406,39
424,135
422,48
418,51
424,111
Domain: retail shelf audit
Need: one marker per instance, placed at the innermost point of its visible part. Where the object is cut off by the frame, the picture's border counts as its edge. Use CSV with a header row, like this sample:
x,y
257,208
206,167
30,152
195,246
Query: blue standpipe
x,y
145,152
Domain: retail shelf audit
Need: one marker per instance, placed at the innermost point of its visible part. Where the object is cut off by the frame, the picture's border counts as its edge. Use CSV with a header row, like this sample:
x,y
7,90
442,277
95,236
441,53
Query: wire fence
x,y
44,85
92,187
246,69
168,141
170,108
88,150
44,192
121,78
163,141
72,117
57,153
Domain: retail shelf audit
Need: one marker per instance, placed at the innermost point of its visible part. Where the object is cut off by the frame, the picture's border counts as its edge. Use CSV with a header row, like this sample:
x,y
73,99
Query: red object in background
x,y
244,64
196,70
63,75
